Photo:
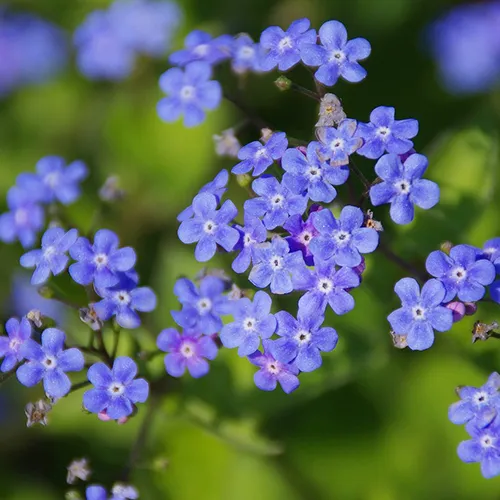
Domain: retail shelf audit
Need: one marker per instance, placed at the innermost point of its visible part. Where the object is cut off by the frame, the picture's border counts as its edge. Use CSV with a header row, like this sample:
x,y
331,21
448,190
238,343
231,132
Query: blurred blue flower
x,y
10,346
247,54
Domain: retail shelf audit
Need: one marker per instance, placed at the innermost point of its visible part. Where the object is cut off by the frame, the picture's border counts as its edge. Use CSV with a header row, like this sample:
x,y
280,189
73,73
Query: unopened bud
x,y
111,191
399,341
244,180
405,156
73,495
46,292
470,308
78,469
265,134
160,463
457,309
446,247
227,144
283,83
483,331
36,413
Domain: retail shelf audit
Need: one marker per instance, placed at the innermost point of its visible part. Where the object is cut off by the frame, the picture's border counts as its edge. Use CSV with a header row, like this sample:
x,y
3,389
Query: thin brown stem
x,y
384,249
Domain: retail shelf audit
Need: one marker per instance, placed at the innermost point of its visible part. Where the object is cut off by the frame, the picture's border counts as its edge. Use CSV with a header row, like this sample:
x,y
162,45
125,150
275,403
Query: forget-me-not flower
x,y
337,144
301,235
246,54
253,233
10,346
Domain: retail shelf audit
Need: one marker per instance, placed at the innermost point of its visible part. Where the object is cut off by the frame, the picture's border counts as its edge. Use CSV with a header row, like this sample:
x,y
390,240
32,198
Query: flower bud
x,y
283,83
446,247
244,180
457,309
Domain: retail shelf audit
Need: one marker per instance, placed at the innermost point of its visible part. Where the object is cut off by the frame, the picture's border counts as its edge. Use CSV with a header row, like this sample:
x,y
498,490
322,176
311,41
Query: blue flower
x,y
54,181
345,239
307,173
200,46
274,265
96,492
491,251
24,220
123,300
253,233
336,57
301,235
201,308
49,362
325,285
484,447
478,405
252,321
115,390
460,273
51,258
337,145
217,187
403,186
189,350
302,339
209,227
421,312
99,263
10,347
276,202
384,133
282,48
122,491
190,93
272,371
246,54
260,156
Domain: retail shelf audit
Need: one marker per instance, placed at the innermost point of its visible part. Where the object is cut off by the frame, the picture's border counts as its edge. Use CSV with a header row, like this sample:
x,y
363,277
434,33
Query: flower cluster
x,y
53,183
460,278
109,41
32,50
465,43
479,410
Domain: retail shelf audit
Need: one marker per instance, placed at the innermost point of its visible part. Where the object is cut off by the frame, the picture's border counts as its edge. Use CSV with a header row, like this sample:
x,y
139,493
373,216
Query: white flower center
x,y
276,262
101,260
384,132
246,52
249,324
418,313
52,179
458,274
21,217
122,298
204,305
303,337
337,144
201,50
272,367
187,349
116,389
14,344
248,240
187,92
480,398
341,237
49,251
337,56
277,201
49,362
285,43
487,441
403,186
314,173
305,238
209,227
260,153
325,285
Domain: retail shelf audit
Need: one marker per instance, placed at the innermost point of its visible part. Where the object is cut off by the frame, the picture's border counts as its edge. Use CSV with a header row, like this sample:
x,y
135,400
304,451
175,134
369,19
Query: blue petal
x,y
100,375
143,299
333,35
71,360
470,451
137,391
30,373
308,359
420,336
124,370
205,249
119,407
424,193
402,211
56,383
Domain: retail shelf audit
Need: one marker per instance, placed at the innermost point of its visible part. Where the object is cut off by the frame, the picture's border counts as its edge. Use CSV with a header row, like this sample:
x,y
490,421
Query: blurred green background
x,y
372,423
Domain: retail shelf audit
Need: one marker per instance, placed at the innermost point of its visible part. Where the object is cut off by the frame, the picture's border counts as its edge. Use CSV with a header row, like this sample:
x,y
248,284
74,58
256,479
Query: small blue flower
x,y
24,220
337,145
301,235
275,202
484,447
54,181
253,233
99,263
345,239
336,57
260,156
384,133
252,321
49,362
190,93
478,405
209,227
282,48
491,251
325,285
307,173
272,371
123,300
201,308
274,265
302,339
189,350
18,332
421,312
460,273
96,492
403,186
115,390
246,55
51,258
217,187
200,46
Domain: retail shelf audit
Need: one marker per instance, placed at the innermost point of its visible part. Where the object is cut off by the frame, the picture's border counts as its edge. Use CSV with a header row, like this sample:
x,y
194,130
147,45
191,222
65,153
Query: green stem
x,y
80,385
5,376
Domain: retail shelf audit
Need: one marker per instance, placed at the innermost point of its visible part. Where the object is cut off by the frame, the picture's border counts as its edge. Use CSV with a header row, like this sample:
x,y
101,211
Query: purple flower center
x,y
202,49
246,52
14,344
314,173
248,240
49,251
337,144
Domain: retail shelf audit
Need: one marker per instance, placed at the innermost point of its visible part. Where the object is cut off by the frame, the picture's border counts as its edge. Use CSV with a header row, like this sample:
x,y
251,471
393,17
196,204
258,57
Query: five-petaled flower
x,y
10,347
253,233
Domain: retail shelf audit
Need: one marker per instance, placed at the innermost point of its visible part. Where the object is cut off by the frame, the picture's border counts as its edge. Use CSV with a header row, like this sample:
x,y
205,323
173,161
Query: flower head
x,y
253,321
421,312
272,371
301,235
337,144
246,54
283,48
345,239
115,390
189,350
189,93
461,274
336,57
200,46
10,347
99,263
403,186
49,362
385,133
227,144
52,257
209,227
253,233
